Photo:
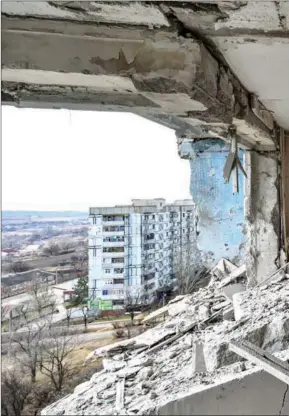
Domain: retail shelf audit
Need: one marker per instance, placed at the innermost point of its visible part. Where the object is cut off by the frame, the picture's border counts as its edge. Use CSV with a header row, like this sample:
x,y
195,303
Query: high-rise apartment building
x,y
131,247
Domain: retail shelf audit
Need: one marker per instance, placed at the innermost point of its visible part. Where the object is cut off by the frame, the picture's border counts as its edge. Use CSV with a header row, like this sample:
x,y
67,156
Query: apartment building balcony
x,y
112,294
150,287
112,282
149,276
113,244
113,223
112,254
149,248
117,276
118,264
113,233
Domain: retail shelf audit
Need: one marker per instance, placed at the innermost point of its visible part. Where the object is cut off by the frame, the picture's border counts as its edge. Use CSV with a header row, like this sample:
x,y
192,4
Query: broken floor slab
x,y
157,377
234,395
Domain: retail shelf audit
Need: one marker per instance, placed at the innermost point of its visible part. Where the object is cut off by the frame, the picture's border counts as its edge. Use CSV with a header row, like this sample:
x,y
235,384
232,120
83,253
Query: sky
x,y
71,160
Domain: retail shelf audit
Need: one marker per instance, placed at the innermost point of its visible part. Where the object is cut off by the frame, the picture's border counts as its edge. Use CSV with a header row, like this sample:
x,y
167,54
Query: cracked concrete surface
x,y
162,46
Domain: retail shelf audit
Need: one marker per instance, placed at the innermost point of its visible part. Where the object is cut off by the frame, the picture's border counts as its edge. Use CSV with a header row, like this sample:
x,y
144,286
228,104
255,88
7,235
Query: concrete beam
x,y
168,71
249,136
133,13
48,89
277,368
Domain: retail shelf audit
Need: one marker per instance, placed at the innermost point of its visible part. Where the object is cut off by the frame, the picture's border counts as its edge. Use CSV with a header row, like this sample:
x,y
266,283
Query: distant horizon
x,y
61,160
76,211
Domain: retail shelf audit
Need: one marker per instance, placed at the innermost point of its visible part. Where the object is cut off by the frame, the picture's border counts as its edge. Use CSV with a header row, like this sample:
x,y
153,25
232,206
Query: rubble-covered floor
x,y
138,380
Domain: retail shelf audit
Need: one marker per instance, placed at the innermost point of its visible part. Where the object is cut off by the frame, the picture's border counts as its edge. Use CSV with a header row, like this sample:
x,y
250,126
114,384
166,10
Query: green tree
x,y
80,291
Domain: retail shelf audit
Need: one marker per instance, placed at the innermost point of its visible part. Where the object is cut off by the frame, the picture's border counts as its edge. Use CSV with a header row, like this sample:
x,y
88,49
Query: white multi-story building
x,y
130,247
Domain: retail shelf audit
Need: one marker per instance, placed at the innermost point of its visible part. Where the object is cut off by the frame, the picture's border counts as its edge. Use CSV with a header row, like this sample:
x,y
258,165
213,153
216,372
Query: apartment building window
x,y
161,217
153,217
117,292
118,281
149,276
117,260
146,217
118,302
113,218
150,236
111,228
117,271
113,239
108,281
94,252
107,271
150,286
93,220
106,261
104,292
113,249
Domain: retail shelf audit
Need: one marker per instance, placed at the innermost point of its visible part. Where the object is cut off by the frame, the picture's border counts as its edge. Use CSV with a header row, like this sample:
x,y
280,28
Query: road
x,y
56,291
24,297
76,339
48,261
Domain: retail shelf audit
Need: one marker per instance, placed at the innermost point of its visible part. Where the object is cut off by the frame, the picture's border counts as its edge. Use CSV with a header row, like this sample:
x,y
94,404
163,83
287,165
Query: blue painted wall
x,y
220,213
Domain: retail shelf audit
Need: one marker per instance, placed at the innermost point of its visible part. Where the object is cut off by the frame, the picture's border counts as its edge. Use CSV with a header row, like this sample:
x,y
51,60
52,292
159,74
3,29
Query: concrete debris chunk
x,y
189,350
223,268
230,290
112,365
234,276
228,314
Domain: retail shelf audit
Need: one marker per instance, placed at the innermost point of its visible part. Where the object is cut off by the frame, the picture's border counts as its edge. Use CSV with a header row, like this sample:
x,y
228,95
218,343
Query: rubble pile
x,y
188,349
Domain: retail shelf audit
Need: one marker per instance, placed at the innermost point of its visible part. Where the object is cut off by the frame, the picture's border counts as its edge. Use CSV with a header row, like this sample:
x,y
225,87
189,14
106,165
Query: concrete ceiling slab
x,y
138,56
262,65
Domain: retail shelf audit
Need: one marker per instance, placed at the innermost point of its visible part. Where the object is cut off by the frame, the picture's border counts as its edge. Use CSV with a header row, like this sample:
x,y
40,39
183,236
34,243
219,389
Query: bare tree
x,y
84,311
15,389
132,301
69,312
187,272
51,250
42,300
74,258
35,318
18,267
55,356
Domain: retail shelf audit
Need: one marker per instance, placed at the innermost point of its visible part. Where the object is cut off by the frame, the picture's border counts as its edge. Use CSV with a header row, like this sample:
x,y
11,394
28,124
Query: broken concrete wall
x,y
263,215
256,393
220,225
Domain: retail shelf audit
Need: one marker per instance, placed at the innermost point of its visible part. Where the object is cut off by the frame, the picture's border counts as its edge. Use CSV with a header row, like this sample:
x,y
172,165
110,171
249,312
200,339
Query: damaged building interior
x,y
217,72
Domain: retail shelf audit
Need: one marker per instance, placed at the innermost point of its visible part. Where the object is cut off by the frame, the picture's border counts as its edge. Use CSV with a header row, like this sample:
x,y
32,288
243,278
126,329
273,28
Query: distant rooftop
x,y
142,206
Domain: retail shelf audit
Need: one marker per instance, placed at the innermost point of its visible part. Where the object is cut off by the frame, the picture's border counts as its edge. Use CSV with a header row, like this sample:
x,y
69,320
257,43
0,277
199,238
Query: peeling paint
x,y
220,214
